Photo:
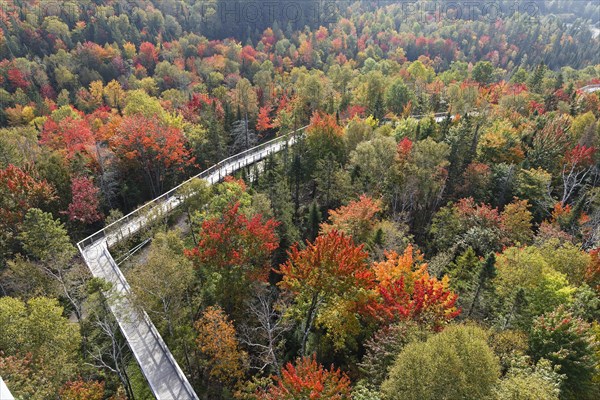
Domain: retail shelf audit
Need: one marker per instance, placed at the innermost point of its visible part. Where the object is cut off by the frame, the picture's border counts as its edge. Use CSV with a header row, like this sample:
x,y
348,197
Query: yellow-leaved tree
x,y
223,359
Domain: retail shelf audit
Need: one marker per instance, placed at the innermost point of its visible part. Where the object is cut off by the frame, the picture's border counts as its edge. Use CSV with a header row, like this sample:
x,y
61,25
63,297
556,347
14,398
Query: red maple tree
x,y
268,38
404,149
577,165
477,214
70,135
200,106
85,204
248,55
324,124
148,55
307,379
20,191
354,111
582,156
236,241
264,121
426,301
155,148
17,78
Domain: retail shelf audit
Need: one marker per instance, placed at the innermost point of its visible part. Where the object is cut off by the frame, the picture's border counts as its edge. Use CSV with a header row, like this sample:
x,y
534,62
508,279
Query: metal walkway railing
x,y
122,228
590,88
165,377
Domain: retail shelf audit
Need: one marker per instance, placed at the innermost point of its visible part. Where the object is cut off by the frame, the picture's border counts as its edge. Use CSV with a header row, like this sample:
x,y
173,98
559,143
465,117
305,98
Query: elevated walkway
x,y
165,377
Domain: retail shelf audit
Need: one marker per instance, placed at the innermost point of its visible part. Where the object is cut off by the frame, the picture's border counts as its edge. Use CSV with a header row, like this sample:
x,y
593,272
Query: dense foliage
x,y
434,232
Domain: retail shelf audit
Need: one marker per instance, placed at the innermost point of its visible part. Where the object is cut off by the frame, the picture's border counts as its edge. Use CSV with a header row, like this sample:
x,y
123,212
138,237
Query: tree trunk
x,y
308,323
474,301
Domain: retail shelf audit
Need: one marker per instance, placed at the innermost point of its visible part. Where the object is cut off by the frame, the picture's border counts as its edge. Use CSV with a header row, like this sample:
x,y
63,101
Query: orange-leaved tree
x,y
82,390
356,219
263,122
20,191
325,138
151,146
329,279
217,341
70,135
406,291
410,265
307,379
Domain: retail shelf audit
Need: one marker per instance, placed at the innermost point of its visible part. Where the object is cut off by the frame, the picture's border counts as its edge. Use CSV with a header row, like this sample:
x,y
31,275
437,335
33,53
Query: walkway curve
x,y
165,377
162,372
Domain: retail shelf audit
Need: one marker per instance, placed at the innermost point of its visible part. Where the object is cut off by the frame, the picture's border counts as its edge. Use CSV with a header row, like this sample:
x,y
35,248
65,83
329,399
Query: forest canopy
x,y
437,216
